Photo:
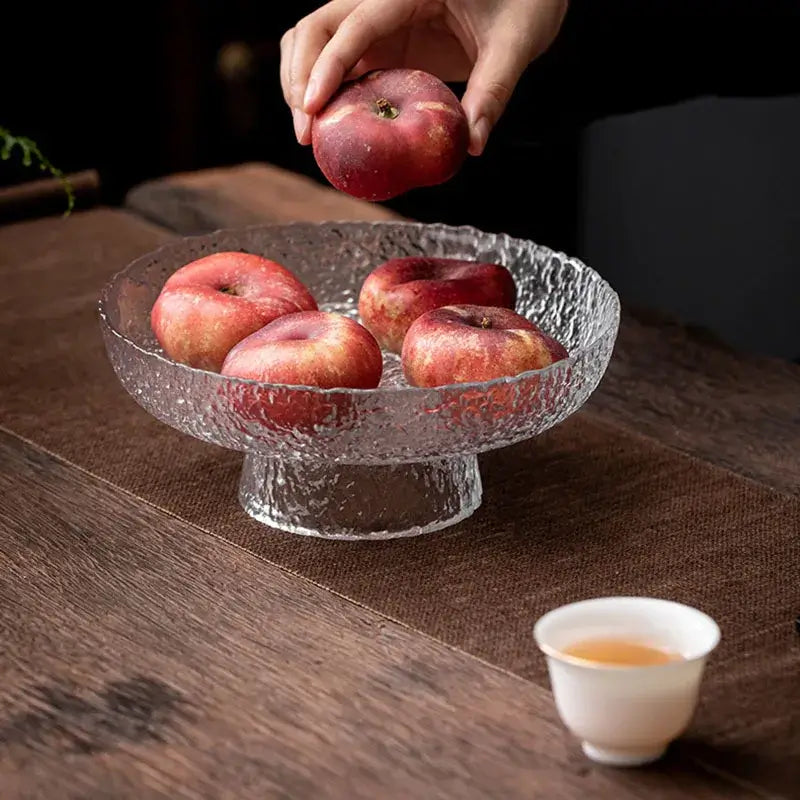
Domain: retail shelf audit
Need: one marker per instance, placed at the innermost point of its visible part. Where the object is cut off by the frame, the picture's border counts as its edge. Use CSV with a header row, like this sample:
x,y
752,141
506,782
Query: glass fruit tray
x,y
364,463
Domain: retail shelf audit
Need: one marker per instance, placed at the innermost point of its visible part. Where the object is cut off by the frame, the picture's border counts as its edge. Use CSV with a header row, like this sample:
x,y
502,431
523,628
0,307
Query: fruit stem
x,y
486,323
385,109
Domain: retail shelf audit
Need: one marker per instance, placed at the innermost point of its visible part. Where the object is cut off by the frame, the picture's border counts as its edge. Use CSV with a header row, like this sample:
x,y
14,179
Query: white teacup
x,y
626,715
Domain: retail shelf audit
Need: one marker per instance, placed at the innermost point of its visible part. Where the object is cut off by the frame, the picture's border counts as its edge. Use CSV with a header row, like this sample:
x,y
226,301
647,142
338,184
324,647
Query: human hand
x,y
487,43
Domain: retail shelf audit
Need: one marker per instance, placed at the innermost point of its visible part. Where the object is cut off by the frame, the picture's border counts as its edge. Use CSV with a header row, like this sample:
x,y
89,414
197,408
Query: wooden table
x,y
144,658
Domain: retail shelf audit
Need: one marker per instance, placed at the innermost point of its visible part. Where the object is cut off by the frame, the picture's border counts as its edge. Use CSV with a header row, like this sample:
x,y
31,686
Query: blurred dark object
x,y
693,208
46,196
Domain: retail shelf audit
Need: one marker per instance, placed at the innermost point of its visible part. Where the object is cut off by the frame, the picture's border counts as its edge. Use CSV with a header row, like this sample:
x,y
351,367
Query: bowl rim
x,y
612,326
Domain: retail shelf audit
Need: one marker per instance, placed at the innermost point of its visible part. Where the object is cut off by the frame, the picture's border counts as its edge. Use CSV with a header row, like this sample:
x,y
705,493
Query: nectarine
x,y
210,304
390,131
466,344
398,291
310,348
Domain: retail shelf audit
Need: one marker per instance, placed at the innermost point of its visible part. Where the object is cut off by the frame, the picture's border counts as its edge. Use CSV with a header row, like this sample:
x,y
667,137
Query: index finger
x,y
370,22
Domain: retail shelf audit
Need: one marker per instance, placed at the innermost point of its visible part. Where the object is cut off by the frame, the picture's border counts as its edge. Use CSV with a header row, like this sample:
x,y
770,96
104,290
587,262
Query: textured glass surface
x,y
360,501
394,423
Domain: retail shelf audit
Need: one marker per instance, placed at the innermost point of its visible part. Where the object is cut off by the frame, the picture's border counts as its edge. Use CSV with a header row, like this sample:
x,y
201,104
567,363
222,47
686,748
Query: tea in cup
x,y
626,672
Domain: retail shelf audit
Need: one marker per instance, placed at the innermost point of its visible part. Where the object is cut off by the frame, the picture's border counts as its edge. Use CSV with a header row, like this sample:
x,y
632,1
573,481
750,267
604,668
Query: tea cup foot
x,y
623,757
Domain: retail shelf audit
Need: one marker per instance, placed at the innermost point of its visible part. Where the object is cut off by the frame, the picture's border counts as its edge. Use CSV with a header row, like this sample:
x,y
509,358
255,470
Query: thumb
x,y
489,88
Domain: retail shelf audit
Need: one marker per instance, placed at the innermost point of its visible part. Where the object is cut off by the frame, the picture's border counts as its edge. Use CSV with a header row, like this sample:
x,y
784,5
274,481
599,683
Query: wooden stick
x,y
47,196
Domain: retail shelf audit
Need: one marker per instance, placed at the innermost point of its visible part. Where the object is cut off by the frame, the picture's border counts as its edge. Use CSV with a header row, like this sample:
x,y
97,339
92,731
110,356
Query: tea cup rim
x,y
558,655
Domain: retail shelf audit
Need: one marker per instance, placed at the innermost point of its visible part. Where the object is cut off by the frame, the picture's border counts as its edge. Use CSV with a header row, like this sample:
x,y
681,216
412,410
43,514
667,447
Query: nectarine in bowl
x,y
355,463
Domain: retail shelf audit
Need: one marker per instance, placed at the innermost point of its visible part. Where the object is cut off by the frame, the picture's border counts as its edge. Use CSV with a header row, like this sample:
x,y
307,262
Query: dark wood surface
x,y
136,665
665,380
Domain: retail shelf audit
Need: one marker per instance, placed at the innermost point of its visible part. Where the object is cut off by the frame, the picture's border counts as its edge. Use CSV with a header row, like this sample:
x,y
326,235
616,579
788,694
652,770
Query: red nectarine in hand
x,y
402,289
466,344
390,131
210,304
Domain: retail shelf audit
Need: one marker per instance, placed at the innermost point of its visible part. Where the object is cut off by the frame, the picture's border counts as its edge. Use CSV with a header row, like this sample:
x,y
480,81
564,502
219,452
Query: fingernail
x,y
311,93
481,134
301,121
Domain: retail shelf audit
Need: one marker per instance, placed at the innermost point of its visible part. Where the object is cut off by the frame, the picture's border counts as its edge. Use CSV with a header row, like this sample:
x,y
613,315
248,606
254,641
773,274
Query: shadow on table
x,y
774,773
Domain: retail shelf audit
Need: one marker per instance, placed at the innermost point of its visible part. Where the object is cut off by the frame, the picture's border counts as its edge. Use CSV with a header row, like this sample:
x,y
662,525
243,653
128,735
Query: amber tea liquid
x,y
622,652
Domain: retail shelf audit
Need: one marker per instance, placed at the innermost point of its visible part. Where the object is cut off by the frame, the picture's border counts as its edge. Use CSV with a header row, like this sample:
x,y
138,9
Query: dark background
x,y
140,90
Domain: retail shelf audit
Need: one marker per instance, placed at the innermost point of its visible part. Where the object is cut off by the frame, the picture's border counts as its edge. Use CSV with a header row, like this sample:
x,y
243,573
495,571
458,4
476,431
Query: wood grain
x,y
665,380
630,515
145,659
736,410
